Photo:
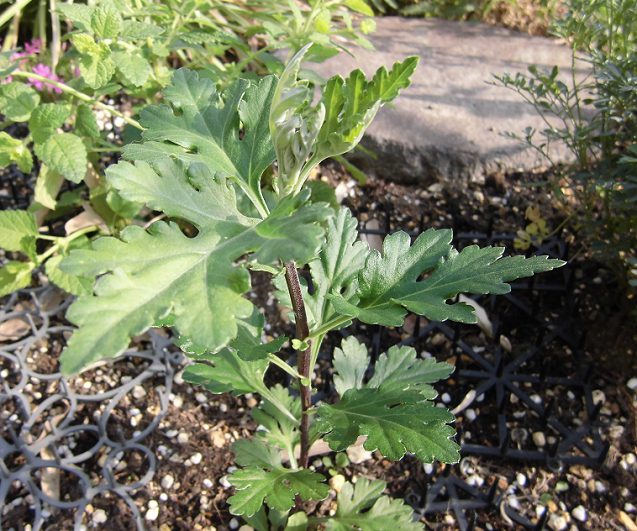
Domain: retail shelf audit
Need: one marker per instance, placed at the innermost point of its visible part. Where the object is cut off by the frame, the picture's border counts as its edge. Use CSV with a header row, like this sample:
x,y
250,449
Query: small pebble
x,y
632,384
470,415
557,522
630,459
153,511
201,398
539,439
337,482
579,513
428,468
167,482
224,482
600,487
178,402
223,408
139,392
520,479
598,396
446,398
196,458
207,483
163,497
100,516
629,507
182,438
234,523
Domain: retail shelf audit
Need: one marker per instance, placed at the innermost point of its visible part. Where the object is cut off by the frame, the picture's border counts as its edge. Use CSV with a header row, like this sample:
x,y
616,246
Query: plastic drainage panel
x,y
54,430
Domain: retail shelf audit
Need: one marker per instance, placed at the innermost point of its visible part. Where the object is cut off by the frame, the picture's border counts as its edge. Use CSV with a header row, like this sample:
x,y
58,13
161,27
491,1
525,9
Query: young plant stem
x,y
303,363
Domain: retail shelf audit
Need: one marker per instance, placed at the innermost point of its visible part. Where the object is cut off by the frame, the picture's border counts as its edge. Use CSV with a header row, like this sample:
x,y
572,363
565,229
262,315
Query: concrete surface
x,y
448,125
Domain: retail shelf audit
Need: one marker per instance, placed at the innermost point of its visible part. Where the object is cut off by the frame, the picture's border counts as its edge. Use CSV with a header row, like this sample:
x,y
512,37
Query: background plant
x,y
594,116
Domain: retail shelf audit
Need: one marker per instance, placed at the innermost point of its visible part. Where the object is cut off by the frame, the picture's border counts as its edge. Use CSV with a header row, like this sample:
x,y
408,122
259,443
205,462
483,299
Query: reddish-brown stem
x,y
303,363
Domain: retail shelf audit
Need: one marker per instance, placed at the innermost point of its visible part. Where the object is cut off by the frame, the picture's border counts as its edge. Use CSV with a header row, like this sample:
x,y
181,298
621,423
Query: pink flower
x,y
44,71
34,47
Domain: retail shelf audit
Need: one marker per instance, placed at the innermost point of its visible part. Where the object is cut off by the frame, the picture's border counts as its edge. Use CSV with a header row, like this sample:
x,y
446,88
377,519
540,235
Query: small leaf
x,y
360,6
18,101
394,421
133,67
18,231
279,430
350,364
85,122
96,64
15,276
13,150
253,452
106,23
362,506
66,154
401,367
277,487
47,187
46,119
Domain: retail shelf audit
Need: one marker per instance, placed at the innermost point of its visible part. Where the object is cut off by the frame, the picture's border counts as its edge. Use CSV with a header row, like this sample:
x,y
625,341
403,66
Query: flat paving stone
x,y
448,125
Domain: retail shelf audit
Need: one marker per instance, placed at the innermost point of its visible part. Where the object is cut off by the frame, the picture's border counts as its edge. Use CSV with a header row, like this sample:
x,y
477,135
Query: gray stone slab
x,y
448,124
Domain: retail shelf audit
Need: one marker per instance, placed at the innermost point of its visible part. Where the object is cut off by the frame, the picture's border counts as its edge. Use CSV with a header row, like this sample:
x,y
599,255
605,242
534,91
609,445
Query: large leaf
x,y
161,275
228,134
390,284
66,154
277,487
395,422
362,506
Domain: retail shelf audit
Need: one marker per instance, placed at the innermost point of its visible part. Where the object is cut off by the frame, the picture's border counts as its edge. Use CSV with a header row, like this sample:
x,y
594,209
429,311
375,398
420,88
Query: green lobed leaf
x,y
85,122
395,422
401,367
46,119
351,104
207,129
276,487
13,150
388,286
133,67
18,231
18,101
161,272
15,276
66,154
254,452
362,506
279,430
350,363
